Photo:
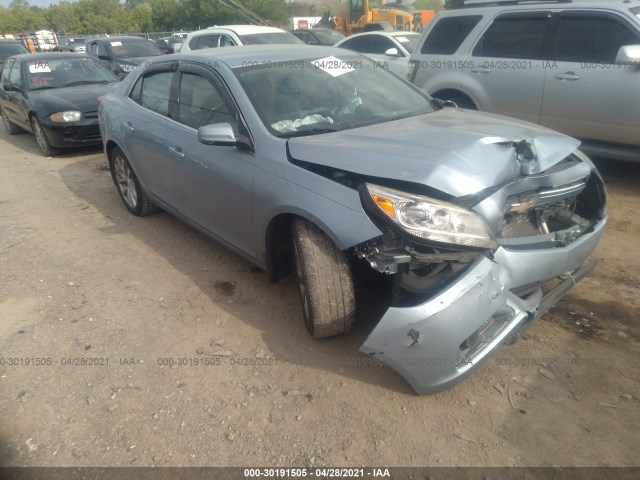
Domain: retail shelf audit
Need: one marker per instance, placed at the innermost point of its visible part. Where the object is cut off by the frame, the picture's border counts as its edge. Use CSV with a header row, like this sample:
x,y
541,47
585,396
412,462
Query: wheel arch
x,y
279,246
447,93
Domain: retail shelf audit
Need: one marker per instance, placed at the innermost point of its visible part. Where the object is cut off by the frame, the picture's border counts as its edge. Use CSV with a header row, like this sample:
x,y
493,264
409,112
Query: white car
x,y
388,49
234,35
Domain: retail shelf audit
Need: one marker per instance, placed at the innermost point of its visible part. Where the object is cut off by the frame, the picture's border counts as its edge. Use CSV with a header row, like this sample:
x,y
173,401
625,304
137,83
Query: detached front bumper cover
x,y
438,343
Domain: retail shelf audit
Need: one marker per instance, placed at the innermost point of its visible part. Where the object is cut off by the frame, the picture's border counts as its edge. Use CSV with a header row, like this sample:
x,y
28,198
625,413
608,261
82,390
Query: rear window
x,y
448,34
269,38
131,48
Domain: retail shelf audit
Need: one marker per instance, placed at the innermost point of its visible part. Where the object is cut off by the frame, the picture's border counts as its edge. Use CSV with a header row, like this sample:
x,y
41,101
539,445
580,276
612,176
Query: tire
x,y
462,101
12,128
129,189
325,283
41,138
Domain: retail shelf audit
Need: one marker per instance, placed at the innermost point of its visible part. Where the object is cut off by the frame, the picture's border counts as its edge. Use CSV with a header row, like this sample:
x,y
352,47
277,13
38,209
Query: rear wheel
x,y
128,185
12,128
41,138
461,100
325,284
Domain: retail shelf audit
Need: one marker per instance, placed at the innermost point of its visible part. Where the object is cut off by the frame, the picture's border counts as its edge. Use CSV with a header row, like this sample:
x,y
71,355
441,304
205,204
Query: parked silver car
x,y
389,49
570,66
292,157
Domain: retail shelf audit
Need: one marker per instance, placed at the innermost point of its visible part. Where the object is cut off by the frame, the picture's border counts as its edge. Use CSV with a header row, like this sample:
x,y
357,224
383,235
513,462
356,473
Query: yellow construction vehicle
x,y
371,12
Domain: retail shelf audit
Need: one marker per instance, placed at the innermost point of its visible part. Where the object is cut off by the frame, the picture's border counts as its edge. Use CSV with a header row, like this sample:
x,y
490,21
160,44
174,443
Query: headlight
x,y
432,219
126,67
70,116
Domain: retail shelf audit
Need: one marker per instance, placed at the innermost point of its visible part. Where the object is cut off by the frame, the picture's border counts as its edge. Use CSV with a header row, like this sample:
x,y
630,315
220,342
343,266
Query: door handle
x,y
175,151
570,76
127,127
481,70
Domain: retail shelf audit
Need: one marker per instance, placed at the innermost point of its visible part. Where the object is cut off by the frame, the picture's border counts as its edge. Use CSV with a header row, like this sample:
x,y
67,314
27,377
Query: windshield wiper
x,y
44,87
85,82
310,131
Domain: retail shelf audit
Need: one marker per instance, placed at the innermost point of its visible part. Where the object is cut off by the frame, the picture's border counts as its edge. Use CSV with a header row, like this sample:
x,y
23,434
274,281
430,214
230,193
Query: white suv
x,y
234,35
570,66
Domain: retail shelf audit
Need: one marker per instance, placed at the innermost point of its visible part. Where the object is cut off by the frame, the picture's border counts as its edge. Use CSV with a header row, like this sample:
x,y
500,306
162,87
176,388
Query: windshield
x,y
132,48
319,95
408,41
9,49
271,38
65,72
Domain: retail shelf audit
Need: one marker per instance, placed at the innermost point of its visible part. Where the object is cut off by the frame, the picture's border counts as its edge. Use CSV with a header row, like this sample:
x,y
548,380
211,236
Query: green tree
x,y
435,5
451,4
18,5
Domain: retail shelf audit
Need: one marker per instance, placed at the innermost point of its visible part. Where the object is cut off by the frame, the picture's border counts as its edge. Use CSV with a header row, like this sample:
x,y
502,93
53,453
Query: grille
x,y
541,212
519,225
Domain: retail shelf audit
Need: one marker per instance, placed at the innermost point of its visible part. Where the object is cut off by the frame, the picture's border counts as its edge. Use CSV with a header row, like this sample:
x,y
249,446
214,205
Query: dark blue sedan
x,y
54,96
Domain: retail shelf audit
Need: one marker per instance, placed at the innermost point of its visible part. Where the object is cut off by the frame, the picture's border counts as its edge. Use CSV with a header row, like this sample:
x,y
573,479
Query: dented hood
x,y
458,152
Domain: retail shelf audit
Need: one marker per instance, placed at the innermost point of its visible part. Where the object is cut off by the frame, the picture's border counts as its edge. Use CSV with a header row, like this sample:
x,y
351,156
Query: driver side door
x,y
216,182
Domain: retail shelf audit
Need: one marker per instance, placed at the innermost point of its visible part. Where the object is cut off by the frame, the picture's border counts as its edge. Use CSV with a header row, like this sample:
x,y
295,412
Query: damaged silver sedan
x,y
314,162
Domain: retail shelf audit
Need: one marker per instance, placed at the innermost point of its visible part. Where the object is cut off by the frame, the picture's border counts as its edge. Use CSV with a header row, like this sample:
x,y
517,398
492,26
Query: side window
x,y
226,41
15,76
5,72
193,43
153,91
201,103
358,44
448,34
136,92
586,38
207,41
93,49
380,44
517,36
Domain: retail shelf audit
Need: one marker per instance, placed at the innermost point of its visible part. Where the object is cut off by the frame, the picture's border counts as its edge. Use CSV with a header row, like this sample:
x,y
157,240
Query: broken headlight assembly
x,y
432,219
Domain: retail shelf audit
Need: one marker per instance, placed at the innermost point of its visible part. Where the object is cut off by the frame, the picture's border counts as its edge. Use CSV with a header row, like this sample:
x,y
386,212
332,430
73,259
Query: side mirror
x,y
103,57
392,52
629,55
12,87
217,134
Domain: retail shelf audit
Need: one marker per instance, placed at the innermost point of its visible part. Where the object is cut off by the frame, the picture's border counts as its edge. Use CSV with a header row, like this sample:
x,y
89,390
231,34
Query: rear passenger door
x,y
506,69
150,137
586,94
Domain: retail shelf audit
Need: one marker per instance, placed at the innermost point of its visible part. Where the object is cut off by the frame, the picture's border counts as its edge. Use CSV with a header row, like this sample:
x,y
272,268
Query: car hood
x,y
458,152
79,97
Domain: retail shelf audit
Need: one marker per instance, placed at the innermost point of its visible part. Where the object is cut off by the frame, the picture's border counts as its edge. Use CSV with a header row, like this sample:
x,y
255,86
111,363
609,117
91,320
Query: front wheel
x,y
41,138
11,127
325,283
129,188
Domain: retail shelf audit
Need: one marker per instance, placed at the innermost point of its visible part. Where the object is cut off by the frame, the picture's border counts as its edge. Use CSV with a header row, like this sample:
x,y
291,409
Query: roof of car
x,y
267,54
119,38
244,29
500,5
34,57
397,33
314,29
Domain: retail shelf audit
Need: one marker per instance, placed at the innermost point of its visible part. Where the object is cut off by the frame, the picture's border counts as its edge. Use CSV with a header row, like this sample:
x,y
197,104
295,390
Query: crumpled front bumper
x,y
438,343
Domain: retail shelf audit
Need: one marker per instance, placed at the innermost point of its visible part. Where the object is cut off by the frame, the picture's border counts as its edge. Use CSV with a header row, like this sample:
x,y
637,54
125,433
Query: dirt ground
x,y
100,303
